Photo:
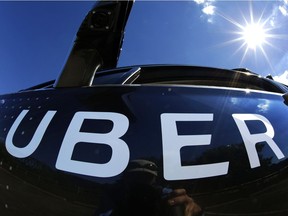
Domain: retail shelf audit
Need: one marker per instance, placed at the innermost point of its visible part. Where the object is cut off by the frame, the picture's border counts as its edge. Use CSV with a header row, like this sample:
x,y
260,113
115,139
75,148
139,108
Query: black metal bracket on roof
x,y
269,76
98,43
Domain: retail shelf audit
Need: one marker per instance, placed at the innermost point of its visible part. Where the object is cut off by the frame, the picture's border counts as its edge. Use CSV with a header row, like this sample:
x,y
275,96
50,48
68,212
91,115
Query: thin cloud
x,y
283,10
199,1
209,9
282,66
283,78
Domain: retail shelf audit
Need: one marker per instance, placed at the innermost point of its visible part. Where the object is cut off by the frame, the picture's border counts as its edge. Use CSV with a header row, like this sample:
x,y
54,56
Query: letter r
x,y
250,140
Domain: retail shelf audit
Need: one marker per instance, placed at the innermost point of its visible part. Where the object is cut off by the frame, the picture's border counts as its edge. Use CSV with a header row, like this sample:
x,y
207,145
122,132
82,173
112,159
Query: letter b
x,y
120,151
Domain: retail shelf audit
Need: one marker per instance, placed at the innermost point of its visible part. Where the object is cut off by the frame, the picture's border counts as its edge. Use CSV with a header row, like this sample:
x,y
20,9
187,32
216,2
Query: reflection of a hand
x,y
179,196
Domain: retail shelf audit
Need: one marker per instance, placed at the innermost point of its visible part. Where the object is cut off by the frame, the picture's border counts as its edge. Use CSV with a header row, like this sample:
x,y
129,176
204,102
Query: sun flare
x,y
254,35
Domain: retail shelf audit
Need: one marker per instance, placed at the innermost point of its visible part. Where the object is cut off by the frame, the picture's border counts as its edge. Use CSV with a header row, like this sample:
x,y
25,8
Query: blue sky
x,y
35,40
36,37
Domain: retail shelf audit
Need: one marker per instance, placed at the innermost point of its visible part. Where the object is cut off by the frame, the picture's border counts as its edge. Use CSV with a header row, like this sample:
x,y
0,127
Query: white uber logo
x,y
120,151
172,143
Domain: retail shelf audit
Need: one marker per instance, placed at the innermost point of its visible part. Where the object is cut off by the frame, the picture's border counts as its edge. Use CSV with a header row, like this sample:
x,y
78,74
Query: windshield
x,y
225,34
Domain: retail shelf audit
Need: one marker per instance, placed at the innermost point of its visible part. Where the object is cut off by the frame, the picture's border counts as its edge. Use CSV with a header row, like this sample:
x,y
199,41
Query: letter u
x,y
36,139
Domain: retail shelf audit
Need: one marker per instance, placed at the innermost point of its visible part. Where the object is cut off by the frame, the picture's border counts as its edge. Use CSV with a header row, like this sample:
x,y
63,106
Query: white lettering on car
x,y
22,152
120,151
250,140
172,143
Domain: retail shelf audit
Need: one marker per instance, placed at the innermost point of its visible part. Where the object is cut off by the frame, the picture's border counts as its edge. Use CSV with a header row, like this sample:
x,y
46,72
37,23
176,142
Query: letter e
x,y
172,143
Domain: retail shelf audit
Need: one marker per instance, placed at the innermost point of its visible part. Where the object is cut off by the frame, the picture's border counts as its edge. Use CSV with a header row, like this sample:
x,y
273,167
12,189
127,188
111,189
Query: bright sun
x,y
254,35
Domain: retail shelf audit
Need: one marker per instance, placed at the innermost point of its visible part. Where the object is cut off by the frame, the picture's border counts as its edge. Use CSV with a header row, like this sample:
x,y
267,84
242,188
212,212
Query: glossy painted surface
x,y
32,183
